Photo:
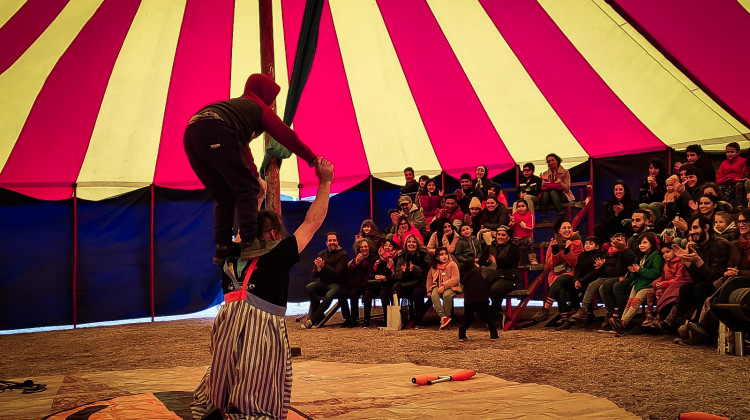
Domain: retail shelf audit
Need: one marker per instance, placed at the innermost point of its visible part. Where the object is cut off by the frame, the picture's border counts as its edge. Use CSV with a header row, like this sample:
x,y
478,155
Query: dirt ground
x,y
646,375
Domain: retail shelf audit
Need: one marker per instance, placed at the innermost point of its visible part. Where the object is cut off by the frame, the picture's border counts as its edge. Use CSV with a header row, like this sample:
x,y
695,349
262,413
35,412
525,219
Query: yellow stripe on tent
x,y
392,131
526,122
654,90
23,81
8,8
125,140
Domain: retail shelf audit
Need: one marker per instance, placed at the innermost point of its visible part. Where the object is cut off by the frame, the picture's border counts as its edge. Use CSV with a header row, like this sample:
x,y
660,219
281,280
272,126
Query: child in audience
x,y
522,221
724,227
430,201
643,273
467,247
476,299
380,278
368,230
731,172
443,281
673,271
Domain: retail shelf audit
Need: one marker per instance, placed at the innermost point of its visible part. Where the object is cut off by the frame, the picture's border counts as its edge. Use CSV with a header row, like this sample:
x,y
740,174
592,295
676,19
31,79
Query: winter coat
x,y
447,277
650,270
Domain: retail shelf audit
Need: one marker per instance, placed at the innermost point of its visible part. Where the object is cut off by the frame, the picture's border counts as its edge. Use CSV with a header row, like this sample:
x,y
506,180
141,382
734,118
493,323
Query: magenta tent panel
x,y
54,139
325,114
598,119
708,39
441,89
201,75
21,30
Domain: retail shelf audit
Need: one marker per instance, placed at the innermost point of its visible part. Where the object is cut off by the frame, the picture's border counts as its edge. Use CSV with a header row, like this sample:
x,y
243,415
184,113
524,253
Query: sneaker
x,y
542,315
445,323
683,331
366,324
307,325
461,339
616,325
697,329
494,337
579,315
647,322
565,325
409,325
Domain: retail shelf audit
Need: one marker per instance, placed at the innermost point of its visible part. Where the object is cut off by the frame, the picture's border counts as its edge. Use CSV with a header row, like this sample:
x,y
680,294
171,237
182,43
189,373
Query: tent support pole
x,y
75,254
372,213
442,182
151,275
591,195
265,15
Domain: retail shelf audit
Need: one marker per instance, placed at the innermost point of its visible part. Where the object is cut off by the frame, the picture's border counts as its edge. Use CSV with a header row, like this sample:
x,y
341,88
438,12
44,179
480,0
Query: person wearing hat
x,y
472,217
499,263
410,210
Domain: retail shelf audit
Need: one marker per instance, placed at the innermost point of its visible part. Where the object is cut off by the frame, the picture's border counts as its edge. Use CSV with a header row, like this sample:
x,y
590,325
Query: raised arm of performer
x,y
317,212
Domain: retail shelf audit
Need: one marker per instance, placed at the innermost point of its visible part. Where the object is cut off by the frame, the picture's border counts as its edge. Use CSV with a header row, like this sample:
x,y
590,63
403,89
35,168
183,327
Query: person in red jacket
x,y
217,146
731,176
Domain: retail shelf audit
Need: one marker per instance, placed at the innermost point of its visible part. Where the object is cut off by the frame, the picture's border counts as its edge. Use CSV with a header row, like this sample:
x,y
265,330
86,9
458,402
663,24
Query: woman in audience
x,y
431,200
411,276
711,188
648,269
482,180
445,237
370,231
358,269
555,187
494,215
380,279
653,188
404,229
707,206
443,281
731,175
562,257
618,208
494,189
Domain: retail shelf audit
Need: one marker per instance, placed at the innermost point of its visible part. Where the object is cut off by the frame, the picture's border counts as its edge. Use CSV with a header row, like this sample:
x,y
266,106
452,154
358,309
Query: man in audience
x,y
330,271
696,157
450,211
640,222
411,211
467,192
705,259
412,186
615,288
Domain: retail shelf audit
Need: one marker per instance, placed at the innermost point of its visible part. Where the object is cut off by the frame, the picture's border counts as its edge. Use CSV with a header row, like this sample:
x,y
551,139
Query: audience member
x,y
696,157
665,289
443,281
494,189
619,207
368,230
476,299
450,211
499,263
411,276
705,259
732,171
467,192
585,272
467,247
405,228
494,215
555,187
430,201
707,205
642,274
482,180
473,217
411,187
653,187
724,227
410,210
446,236
561,260
529,186
379,279
358,269
522,221
330,271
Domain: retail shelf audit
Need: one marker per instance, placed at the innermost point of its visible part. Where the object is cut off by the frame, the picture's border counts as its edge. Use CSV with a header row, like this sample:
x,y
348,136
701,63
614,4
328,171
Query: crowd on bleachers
x,y
666,250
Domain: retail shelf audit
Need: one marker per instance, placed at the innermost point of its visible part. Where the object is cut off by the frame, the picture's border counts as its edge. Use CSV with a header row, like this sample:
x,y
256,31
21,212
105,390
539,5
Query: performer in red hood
x,y
217,146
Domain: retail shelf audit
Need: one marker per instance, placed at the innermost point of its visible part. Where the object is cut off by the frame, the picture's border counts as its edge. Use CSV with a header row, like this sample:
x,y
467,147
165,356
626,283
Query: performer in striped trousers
x,y
250,376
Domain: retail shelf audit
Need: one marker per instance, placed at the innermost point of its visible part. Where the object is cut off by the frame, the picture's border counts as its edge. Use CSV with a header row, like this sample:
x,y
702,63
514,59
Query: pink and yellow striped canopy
x,y
98,92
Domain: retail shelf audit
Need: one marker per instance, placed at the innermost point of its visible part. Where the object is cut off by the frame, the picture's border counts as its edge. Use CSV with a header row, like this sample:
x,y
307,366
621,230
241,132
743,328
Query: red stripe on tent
x,y
598,119
55,137
21,30
709,41
201,75
441,90
325,114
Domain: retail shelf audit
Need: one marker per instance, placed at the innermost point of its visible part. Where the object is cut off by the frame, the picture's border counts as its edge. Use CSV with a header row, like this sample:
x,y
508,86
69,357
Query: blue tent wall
x,y
114,245
185,279
36,262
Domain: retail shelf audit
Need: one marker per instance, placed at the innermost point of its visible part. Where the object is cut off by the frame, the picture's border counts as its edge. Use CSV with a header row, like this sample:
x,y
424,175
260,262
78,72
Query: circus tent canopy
x,y
97,92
